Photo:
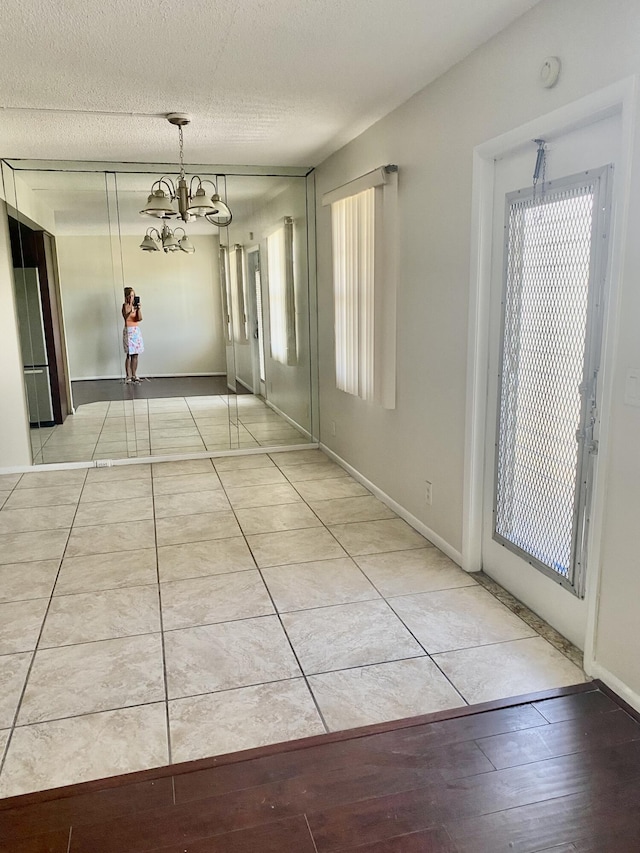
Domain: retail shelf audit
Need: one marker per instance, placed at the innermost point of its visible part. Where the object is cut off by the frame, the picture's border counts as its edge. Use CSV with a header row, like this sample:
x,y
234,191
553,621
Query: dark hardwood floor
x,y
554,772
98,390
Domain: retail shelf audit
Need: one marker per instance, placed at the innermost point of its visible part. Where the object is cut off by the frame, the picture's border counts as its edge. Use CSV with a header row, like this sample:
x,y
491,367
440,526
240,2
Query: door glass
x,y
546,374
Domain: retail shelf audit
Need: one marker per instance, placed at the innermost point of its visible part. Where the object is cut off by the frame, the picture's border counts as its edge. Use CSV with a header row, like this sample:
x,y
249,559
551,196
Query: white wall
x,y
14,431
15,447
182,313
432,138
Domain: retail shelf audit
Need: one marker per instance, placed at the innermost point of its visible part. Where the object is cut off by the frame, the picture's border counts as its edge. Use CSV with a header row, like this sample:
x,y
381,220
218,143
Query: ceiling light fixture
x,y
186,200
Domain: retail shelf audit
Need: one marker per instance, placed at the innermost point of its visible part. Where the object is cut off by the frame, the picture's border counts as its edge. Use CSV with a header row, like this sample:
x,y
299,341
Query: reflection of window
x,y
363,220
237,293
260,330
282,309
224,288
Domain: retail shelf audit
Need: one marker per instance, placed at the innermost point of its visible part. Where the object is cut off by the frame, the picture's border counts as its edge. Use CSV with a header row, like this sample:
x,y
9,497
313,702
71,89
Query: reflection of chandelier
x,y
191,198
167,239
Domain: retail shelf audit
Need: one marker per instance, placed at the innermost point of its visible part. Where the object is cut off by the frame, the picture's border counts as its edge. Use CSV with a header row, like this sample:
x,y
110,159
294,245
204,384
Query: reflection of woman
x,y
131,335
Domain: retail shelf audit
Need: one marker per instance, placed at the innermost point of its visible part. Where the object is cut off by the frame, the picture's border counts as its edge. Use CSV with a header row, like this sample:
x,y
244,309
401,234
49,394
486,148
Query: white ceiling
x,y
281,82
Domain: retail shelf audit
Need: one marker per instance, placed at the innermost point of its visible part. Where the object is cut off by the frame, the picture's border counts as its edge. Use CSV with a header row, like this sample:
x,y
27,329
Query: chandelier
x,y
167,240
182,199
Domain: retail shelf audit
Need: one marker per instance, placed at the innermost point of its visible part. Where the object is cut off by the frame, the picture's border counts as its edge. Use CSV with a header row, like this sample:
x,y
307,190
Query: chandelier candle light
x,y
190,203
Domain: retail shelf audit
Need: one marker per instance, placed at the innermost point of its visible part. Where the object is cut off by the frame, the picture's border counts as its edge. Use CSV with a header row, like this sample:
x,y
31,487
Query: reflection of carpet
x,y
97,390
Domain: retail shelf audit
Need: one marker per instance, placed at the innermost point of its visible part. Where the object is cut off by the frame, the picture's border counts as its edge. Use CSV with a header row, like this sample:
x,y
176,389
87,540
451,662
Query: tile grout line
x,y
391,609
277,613
95,442
162,637
402,621
260,570
13,726
104,420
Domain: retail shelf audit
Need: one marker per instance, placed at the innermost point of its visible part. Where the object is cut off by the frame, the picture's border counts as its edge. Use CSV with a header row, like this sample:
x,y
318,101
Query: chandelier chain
x,y
181,136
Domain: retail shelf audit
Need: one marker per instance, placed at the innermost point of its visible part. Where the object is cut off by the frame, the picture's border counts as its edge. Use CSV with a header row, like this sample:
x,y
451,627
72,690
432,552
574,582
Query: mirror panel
x,y
213,323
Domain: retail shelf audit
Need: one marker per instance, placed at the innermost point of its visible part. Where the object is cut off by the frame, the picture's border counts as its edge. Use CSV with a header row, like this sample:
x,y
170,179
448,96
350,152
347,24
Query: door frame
x,y
618,98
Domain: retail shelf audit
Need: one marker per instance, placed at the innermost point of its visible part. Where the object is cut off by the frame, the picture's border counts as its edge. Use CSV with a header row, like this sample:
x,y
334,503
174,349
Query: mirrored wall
x,y
200,341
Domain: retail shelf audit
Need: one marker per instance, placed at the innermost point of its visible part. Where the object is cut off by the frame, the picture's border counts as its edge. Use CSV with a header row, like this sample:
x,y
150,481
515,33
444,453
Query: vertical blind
x,y
282,318
224,288
237,293
353,237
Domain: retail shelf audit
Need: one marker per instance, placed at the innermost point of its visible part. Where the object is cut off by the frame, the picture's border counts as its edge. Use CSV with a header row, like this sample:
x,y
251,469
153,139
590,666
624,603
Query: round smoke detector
x,y
550,71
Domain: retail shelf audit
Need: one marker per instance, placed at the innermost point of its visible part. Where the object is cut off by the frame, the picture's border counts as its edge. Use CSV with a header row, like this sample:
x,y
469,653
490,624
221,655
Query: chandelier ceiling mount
x,y
182,198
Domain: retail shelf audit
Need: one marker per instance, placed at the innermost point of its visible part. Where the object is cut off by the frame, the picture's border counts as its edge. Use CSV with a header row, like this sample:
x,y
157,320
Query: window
x,y
281,289
224,288
547,374
363,222
237,293
353,239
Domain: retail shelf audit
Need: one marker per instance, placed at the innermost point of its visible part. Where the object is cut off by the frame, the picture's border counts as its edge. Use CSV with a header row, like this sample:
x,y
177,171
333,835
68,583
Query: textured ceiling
x,y
281,82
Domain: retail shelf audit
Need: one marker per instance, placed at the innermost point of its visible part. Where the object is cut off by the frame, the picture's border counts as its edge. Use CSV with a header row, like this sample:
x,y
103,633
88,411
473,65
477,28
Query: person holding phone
x,y
131,335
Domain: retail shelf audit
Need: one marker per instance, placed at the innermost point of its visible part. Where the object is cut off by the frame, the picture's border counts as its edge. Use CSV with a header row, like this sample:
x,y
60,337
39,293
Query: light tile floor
x,y
163,426
155,614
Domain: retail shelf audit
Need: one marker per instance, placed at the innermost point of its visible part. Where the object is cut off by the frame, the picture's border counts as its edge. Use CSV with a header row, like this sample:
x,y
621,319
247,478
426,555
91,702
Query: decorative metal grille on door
x,y
544,408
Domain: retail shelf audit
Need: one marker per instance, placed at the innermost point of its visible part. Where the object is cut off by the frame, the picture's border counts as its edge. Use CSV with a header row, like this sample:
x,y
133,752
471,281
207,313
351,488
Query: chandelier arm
x,y
167,181
219,224
207,181
194,178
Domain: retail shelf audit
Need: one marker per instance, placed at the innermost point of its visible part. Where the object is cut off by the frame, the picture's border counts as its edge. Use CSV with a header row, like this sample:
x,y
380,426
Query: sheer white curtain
x,y
353,237
236,270
224,288
281,290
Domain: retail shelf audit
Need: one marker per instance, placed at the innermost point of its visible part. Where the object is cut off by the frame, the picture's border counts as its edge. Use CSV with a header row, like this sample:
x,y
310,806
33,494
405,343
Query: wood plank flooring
x,y
556,772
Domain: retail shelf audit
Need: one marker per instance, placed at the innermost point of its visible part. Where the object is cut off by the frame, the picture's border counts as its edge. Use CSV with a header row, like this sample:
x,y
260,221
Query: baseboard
x,y
244,385
145,460
418,525
612,681
289,420
147,376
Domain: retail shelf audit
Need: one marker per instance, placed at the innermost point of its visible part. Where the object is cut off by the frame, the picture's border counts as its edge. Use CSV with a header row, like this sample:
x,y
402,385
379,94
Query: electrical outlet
x,y
333,427
428,492
104,463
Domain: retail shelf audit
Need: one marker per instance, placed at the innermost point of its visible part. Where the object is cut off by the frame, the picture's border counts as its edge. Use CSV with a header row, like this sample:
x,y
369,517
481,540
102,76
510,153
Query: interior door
x,y
547,302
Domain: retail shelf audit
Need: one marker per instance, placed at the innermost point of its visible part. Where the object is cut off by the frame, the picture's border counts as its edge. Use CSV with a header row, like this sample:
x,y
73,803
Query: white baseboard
x,y
152,376
289,420
596,670
418,525
145,460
